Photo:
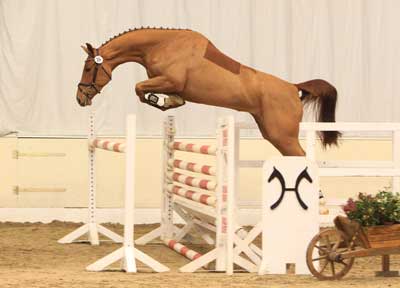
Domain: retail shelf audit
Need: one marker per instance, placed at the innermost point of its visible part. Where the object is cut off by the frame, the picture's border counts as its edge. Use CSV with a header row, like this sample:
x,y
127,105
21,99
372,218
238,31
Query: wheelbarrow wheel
x,y
323,255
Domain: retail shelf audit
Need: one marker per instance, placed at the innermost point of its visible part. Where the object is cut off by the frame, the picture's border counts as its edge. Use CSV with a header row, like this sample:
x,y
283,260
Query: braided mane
x,y
141,28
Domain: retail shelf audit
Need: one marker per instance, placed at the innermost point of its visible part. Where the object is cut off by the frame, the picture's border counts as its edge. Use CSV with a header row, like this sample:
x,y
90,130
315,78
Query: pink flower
x,y
350,206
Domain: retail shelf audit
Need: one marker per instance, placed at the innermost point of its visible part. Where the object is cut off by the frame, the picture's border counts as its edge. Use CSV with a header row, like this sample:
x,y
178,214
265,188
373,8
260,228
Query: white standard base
x,y
127,255
92,230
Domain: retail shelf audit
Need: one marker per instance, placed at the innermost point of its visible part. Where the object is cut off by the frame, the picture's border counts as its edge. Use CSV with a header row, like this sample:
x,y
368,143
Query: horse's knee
x,y
138,89
140,93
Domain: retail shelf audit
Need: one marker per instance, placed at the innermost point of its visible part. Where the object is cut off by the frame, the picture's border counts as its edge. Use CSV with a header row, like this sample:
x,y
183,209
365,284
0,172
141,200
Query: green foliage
x,y
368,210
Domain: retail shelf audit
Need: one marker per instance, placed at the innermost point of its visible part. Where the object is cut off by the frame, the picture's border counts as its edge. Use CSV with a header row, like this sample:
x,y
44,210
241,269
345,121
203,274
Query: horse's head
x,y
96,74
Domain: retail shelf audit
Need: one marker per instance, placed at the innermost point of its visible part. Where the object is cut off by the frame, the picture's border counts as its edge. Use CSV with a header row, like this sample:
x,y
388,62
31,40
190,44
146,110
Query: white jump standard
x,y
127,254
92,228
205,202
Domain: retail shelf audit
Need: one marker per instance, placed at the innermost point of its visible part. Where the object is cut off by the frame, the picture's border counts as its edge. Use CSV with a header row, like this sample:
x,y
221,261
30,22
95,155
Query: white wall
x,y
354,44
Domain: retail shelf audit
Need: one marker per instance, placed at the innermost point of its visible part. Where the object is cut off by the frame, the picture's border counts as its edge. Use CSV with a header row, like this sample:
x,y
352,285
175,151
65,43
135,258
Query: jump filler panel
x,y
290,213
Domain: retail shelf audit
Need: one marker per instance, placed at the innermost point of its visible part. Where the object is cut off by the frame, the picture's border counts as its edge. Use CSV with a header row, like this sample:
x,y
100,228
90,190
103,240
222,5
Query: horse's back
x,y
210,76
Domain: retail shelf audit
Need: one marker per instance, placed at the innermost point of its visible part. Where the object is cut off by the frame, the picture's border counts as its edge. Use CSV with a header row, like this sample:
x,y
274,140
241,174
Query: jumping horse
x,y
186,66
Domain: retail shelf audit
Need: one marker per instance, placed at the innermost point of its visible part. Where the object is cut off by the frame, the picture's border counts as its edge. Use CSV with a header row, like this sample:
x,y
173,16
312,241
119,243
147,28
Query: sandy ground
x,y
31,257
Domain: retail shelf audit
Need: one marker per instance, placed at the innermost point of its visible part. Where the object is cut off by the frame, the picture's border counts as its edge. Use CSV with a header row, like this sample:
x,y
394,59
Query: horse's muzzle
x,y
80,102
82,99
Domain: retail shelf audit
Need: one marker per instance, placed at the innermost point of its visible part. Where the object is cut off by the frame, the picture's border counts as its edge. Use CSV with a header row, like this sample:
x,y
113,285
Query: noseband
x,y
98,62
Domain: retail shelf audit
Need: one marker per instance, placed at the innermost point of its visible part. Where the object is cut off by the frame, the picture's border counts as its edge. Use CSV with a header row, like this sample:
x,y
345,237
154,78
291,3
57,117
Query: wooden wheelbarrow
x,y
331,253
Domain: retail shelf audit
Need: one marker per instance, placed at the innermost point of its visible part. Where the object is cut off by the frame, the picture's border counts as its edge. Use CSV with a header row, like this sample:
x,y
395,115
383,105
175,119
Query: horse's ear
x,y
89,49
85,49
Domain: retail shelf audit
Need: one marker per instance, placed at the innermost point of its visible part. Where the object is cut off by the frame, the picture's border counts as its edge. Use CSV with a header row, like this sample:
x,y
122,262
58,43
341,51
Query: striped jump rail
x,y
182,249
195,148
193,167
192,195
107,145
192,181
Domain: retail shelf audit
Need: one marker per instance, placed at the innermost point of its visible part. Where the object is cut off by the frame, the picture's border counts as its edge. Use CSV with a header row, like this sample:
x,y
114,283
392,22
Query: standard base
x,y
93,230
128,256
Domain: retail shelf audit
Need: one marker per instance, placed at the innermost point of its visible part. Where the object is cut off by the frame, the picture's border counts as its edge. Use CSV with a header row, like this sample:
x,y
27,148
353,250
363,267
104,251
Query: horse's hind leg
x,y
260,126
285,138
283,135
289,146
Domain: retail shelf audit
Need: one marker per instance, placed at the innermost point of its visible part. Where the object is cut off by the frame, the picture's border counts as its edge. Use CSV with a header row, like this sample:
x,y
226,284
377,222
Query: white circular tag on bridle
x,y
98,59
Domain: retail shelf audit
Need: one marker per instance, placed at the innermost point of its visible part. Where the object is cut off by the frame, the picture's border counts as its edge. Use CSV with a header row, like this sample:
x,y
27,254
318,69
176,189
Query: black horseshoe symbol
x,y
277,174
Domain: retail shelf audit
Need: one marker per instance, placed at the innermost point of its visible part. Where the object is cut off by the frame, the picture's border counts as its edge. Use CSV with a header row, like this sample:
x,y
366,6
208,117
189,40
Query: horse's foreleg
x,y
161,84
173,101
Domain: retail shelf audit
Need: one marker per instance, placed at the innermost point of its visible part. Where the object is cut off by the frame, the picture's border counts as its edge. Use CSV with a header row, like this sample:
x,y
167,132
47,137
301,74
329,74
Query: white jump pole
x,y
226,193
128,253
91,228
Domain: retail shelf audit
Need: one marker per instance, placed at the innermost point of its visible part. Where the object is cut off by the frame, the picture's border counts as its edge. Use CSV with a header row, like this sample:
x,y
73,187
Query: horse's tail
x,y
323,96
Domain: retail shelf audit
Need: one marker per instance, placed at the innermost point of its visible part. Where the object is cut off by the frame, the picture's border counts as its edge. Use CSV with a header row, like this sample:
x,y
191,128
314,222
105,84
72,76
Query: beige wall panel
x,y
355,149
358,149
250,180
71,171
8,172
332,187
110,175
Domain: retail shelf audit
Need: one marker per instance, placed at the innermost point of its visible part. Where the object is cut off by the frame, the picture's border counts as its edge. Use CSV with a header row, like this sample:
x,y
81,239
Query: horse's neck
x,y
130,47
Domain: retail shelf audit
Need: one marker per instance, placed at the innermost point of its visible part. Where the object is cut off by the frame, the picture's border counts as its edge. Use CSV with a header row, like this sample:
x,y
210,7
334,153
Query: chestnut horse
x,y
186,66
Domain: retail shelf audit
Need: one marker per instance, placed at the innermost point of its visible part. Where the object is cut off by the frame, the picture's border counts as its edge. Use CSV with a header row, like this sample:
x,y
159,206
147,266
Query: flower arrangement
x,y
369,210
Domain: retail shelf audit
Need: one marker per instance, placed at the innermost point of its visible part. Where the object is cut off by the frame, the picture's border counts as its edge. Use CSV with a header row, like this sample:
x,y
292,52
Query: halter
x,y
98,62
